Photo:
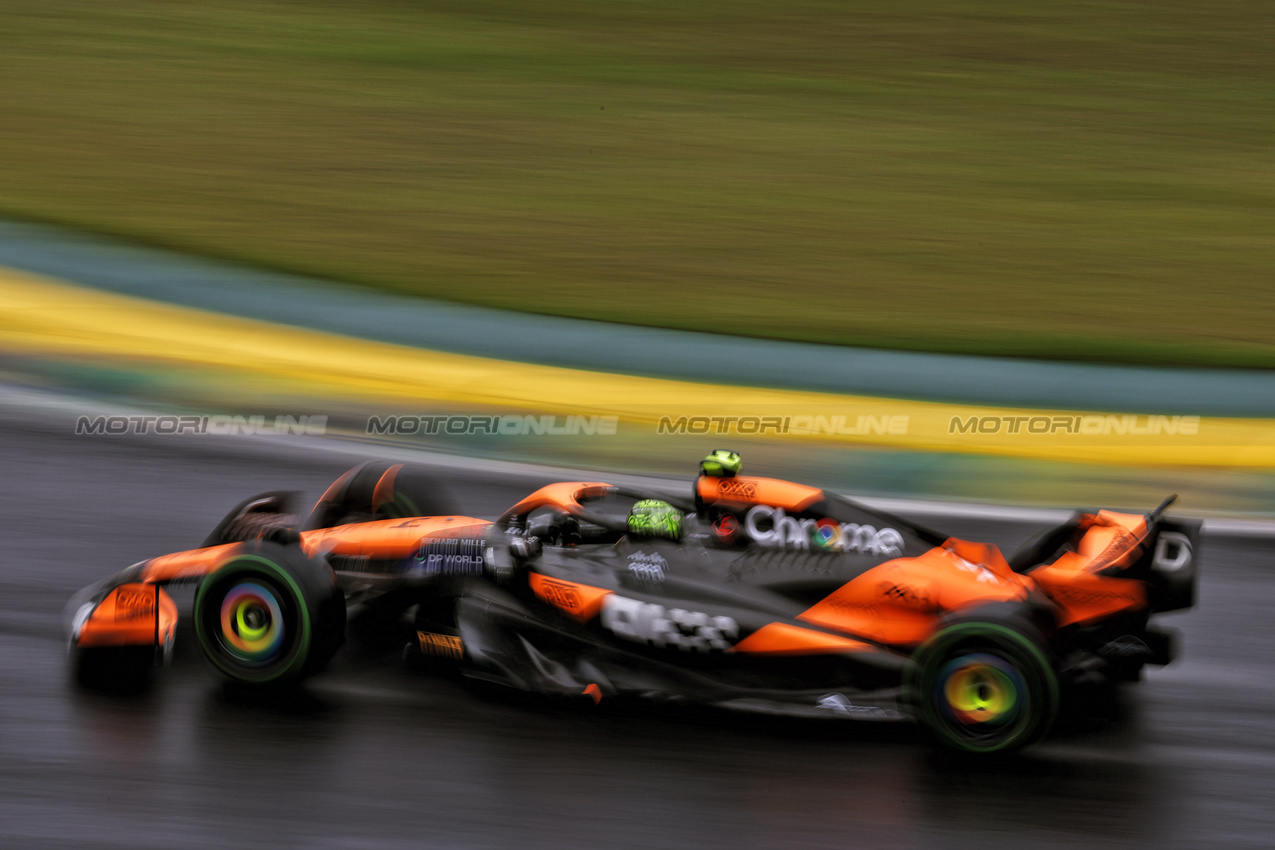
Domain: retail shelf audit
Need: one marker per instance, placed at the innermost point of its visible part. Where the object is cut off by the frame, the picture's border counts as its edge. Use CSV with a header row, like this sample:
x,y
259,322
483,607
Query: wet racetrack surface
x,y
375,754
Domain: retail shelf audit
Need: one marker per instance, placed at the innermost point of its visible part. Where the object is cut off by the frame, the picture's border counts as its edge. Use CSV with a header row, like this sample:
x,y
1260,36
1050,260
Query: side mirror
x,y
525,548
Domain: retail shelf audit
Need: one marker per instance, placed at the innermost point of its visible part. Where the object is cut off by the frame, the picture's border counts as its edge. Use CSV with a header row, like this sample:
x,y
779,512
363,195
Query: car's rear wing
x,y
1159,553
1173,562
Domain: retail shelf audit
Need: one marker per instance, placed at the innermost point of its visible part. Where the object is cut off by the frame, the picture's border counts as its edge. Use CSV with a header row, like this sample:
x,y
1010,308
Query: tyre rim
x,y
252,627
980,694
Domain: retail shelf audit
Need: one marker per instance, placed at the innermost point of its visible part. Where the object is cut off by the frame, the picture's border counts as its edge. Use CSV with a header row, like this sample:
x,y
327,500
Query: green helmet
x,y
722,463
654,518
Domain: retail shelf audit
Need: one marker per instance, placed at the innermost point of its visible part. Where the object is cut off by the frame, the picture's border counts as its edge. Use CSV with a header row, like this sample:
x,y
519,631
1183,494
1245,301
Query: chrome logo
x,y
768,526
826,534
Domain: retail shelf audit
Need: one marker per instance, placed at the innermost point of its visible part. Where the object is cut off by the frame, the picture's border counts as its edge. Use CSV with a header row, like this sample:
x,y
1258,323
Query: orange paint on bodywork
x,y
1074,581
565,496
389,538
193,563
386,538
133,614
742,490
981,554
785,639
384,490
330,494
1084,598
899,602
579,600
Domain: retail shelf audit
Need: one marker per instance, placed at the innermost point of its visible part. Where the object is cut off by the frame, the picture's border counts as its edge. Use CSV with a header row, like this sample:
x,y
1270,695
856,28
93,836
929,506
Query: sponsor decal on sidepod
x,y
677,628
824,534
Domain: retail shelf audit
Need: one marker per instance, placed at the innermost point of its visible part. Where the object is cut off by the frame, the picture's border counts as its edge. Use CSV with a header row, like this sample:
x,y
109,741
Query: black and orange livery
x,y
777,597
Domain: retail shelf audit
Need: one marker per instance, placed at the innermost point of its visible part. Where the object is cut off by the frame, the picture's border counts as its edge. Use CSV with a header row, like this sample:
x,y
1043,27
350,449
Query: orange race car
x,y
753,593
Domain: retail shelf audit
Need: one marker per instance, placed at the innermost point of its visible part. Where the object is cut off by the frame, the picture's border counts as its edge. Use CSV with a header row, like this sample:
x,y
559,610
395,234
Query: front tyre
x,y
984,687
269,614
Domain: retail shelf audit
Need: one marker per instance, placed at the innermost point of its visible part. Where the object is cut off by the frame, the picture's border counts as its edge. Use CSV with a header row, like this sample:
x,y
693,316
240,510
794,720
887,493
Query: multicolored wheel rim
x,y
251,625
981,695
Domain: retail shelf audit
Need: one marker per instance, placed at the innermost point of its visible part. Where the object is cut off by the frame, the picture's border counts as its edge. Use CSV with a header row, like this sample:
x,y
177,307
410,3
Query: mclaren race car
x,y
751,593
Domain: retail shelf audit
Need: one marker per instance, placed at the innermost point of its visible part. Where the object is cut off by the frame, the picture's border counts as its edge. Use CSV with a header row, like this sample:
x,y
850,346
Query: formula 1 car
x,y
753,593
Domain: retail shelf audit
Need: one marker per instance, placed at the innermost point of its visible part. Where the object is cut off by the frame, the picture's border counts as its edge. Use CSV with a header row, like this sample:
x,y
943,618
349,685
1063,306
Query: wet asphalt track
x,y
376,755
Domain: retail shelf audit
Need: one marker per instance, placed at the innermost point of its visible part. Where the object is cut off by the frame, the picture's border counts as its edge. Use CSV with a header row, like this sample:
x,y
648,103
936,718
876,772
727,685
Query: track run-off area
x,y
71,301
51,319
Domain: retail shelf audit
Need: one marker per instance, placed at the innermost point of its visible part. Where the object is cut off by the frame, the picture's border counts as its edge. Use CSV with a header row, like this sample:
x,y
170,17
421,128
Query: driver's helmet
x,y
722,463
655,518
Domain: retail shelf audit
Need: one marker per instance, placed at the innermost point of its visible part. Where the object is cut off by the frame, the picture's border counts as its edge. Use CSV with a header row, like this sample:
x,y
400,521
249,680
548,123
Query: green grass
x,y
1085,180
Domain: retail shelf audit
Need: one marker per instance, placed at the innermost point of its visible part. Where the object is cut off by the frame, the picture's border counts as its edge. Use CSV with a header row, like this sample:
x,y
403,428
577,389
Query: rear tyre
x,y
269,615
983,687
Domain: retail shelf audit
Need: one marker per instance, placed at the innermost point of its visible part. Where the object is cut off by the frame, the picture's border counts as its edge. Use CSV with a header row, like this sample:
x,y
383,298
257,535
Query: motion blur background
x,y
1089,180
1088,187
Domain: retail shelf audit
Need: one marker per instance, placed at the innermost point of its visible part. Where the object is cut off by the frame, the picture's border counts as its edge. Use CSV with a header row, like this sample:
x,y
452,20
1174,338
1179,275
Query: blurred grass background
x,y
1086,180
